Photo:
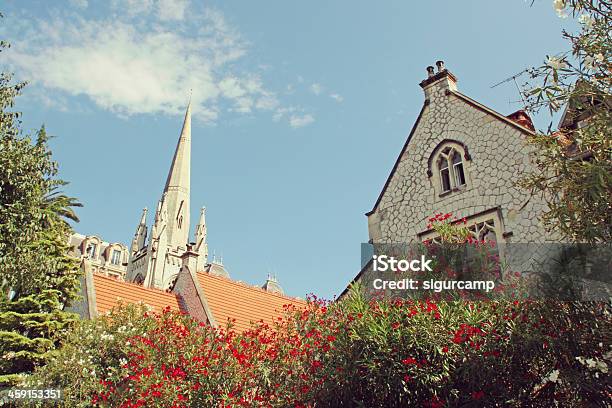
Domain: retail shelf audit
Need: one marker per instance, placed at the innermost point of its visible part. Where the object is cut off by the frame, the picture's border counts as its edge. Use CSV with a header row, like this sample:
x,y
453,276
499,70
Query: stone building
x,y
109,259
464,158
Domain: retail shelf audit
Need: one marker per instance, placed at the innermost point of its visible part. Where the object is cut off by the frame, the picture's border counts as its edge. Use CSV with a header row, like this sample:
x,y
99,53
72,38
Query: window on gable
x,y
449,173
458,169
445,176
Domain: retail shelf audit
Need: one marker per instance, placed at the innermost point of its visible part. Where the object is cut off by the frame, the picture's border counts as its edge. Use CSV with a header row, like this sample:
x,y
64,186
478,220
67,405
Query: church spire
x,y
140,237
176,191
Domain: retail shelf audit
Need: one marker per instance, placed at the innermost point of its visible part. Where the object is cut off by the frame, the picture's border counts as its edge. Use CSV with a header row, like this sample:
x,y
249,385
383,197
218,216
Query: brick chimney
x,y
438,83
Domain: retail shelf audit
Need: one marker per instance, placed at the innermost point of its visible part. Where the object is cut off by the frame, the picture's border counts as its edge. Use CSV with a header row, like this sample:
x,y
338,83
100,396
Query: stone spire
x,y
176,191
140,237
201,247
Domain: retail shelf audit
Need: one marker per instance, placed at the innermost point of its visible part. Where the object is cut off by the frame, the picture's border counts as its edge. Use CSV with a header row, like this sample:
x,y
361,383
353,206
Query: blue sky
x,y
300,109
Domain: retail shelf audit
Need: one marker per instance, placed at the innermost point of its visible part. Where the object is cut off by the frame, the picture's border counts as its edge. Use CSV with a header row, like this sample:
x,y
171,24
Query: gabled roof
x,y
469,101
229,299
109,292
226,299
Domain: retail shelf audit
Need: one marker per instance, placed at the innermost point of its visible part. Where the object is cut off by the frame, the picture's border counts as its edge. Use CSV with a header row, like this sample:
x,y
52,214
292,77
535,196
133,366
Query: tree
x,y
575,162
37,277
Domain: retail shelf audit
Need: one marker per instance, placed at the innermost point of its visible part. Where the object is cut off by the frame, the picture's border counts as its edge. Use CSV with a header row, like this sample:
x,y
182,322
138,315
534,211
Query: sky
x,y
299,110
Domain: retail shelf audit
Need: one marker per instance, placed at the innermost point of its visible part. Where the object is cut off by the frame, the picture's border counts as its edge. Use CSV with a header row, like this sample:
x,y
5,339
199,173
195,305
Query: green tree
x,y
575,162
37,277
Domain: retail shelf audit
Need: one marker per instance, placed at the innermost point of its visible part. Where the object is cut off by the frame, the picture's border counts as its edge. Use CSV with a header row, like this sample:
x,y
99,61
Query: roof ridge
x,y
153,290
254,288
492,111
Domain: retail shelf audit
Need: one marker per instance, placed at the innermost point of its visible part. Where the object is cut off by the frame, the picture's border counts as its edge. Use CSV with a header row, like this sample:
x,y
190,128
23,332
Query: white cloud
x,y
297,121
337,97
132,7
79,3
267,102
316,88
169,10
130,65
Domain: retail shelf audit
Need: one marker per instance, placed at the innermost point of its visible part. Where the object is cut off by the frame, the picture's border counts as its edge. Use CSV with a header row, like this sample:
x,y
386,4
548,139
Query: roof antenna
x,y
513,78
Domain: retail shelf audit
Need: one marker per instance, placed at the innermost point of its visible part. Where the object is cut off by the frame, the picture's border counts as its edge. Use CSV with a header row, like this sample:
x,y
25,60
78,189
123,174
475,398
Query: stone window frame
x,y
489,220
108,254
139,279
96,253
115,256
171,281
446,151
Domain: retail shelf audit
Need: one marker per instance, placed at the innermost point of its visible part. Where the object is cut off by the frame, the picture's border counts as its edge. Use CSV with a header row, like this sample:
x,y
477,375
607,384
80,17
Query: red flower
x,y
445,349
409,361
476,395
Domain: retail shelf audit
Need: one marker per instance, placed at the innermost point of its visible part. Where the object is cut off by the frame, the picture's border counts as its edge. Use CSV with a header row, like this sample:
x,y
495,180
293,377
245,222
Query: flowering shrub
x,y
93,349
375,353
427,352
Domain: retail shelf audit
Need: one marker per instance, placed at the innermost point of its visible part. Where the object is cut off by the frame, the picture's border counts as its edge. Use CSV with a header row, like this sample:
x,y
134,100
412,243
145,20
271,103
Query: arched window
x,y
447,166
172,283
139,279
444,174
458,169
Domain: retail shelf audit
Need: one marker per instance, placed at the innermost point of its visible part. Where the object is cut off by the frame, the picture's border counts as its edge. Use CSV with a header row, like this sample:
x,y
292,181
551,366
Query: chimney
x,y
438,84
190,258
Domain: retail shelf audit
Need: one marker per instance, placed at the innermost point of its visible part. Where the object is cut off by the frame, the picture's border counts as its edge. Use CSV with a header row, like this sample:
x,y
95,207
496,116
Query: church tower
x,y
157,263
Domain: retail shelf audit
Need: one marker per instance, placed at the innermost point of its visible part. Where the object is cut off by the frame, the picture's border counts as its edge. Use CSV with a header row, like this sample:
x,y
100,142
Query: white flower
x,y
586,20
599,57
553,376
556,63
122,361
589,62
559,6
107,336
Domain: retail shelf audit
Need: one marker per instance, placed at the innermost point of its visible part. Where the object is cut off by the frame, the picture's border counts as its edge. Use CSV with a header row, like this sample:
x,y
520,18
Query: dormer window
x,y
447,167
116,257
91,250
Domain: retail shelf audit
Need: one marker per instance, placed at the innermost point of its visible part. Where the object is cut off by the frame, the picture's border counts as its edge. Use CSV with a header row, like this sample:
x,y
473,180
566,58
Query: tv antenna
x,y
513,79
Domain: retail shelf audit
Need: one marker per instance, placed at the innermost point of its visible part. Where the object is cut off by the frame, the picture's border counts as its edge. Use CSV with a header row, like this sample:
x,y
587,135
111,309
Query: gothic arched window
x,y
171,283
447,166
139,279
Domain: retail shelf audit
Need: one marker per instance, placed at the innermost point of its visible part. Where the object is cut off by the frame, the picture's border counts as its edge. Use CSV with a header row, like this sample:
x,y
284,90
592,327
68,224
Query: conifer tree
x,y
37,277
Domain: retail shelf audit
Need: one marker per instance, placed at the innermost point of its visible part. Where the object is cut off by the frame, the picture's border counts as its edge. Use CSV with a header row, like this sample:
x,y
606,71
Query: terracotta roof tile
x,y
229,299
109,291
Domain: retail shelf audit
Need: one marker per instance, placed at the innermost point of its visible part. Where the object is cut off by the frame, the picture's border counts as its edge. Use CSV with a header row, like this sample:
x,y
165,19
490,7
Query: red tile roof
x,y
229,299
110,291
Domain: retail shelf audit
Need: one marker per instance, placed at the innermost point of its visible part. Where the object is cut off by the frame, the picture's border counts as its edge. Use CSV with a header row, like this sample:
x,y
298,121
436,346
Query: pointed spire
x,y
140,237
179,175
177,187
143,217
201,246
